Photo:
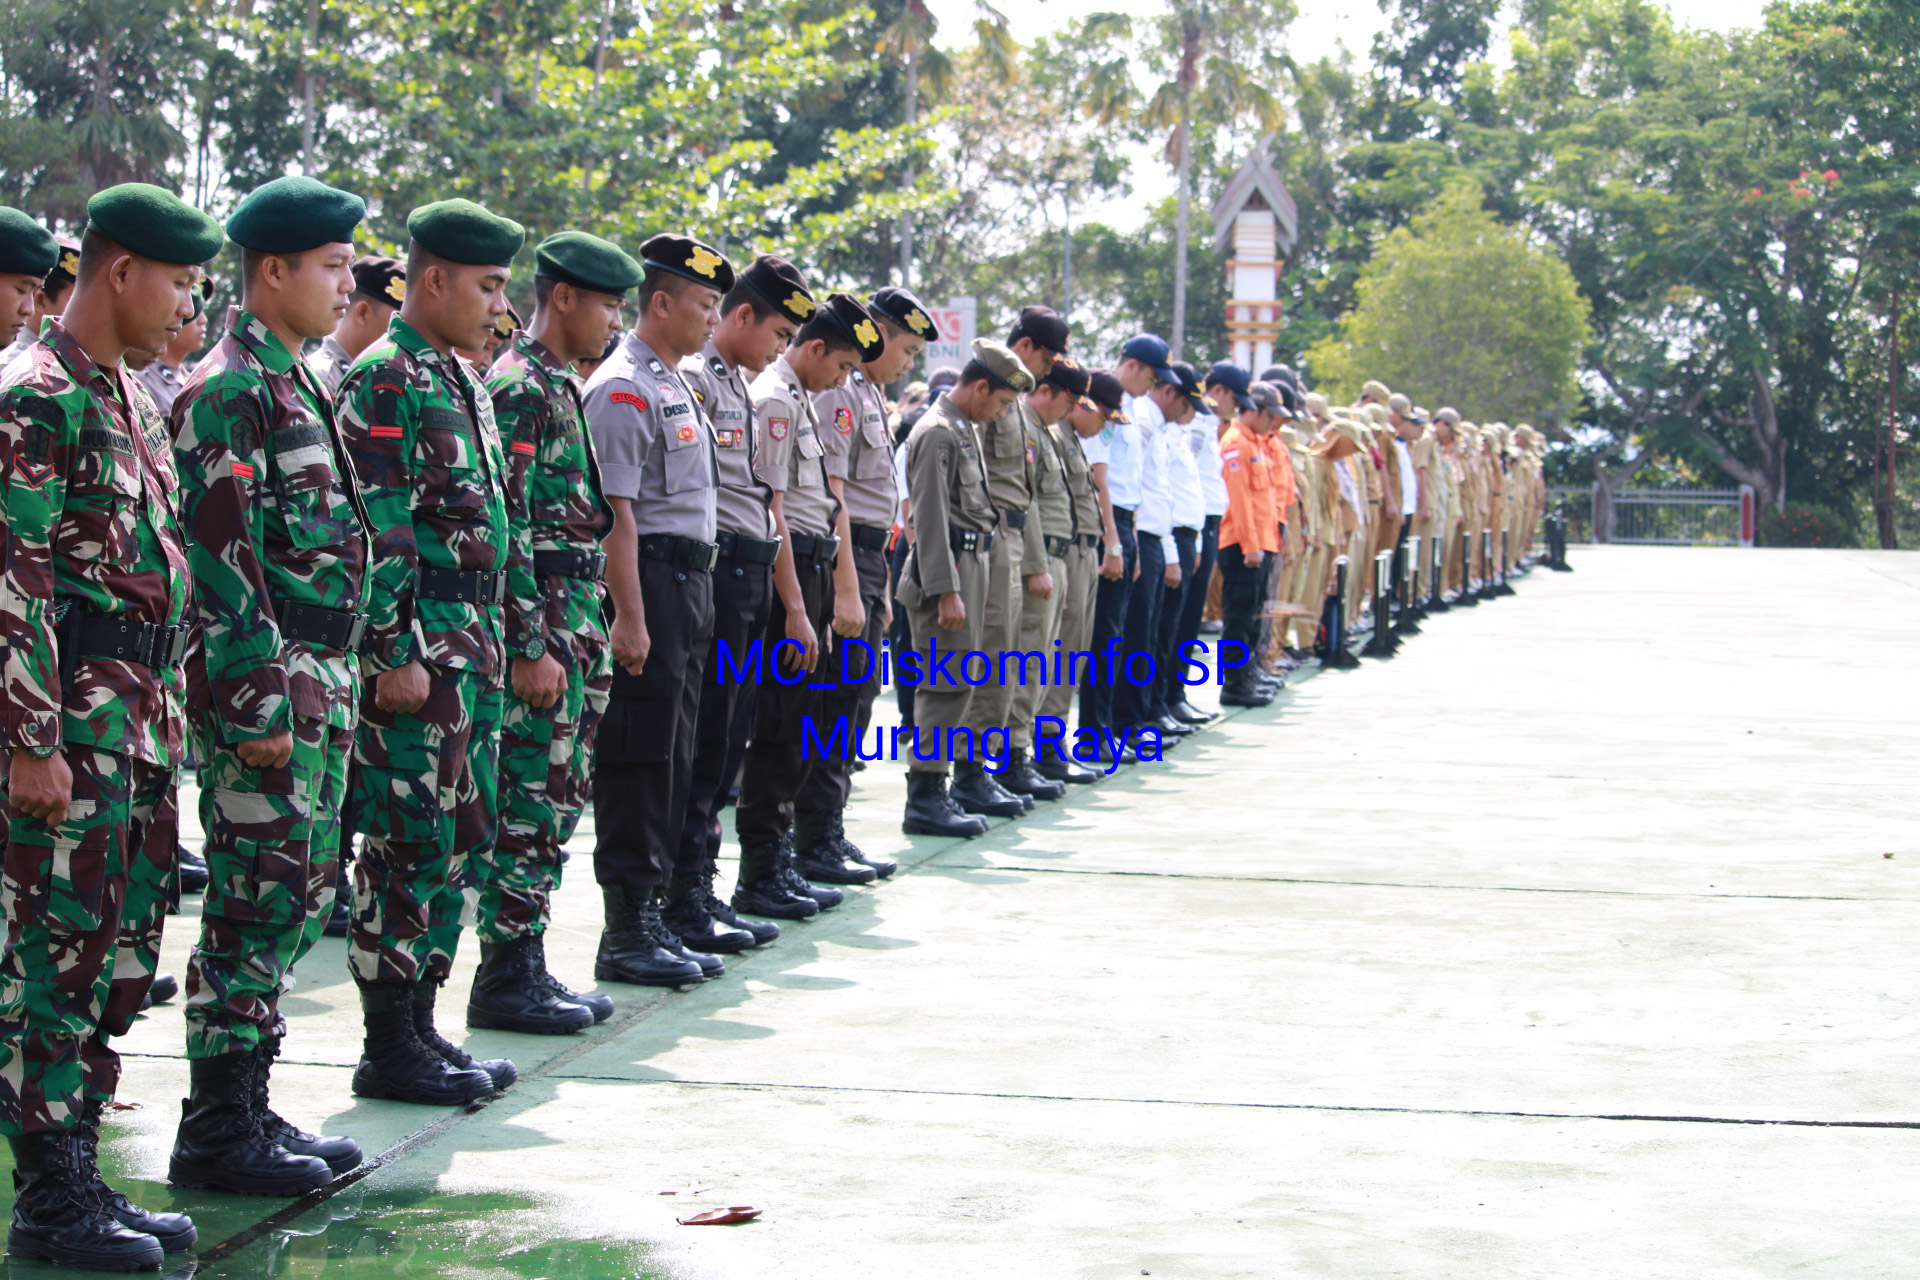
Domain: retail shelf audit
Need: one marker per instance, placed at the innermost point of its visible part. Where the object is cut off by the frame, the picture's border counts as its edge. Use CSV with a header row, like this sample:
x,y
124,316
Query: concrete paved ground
x,y
1564,944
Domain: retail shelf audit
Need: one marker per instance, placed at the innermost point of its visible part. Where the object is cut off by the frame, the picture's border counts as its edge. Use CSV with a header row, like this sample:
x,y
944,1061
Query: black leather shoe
x,y
601,1007
192,869
763,891
1171,727
342,1155
1062,769
509,996
1244,693
932,812
163,988
976,792
633,946
58,1219
818,855
1186,711
220,1144
499,1070
1021,778
396,1065
174,1231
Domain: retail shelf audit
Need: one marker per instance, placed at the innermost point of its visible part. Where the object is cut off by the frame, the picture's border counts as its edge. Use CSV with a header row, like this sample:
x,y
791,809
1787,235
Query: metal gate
x,y
1657,517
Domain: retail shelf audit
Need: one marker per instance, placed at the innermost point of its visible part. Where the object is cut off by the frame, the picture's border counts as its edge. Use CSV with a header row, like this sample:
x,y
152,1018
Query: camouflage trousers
x,y
546,775
423,794
272,844
84,904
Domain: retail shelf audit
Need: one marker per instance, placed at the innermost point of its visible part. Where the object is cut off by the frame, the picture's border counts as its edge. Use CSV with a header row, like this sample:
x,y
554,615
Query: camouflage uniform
x,y
279,554
553,493
89,530
419,428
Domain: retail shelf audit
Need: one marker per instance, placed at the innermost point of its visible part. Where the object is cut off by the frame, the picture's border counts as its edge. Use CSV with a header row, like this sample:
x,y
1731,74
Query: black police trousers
x,y
830,782
1134,700
777,761
1109,620
742,600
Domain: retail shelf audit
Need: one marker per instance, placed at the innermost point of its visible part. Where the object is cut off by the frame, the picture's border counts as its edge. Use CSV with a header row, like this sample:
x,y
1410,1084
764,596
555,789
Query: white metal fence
x,y
1655,517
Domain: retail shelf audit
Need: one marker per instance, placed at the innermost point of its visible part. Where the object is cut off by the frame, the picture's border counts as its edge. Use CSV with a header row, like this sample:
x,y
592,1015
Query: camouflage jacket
x,y
420,432
553,487
87,518
270,502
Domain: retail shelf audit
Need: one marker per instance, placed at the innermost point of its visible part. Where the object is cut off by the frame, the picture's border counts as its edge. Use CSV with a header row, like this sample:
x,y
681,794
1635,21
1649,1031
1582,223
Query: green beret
x,y
155,223
586,261
292,215
26,247
461,231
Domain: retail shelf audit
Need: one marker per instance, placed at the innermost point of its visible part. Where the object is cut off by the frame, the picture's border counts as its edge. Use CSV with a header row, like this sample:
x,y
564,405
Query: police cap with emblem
x,y
1044,327
293,215
1072,378
782,286
586,262
1108,394
462,232
1188,379
154,223
903,309
67,270
26,247
1002,366
847,314
506,322
1227,374
687,258
382,279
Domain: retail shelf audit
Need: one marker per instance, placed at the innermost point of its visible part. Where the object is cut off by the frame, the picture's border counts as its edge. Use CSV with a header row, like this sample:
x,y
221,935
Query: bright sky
x,y
1322,27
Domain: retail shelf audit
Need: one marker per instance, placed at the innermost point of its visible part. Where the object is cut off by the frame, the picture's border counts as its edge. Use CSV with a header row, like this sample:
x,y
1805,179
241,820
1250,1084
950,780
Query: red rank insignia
x,y
33,474
524,446
244,470
627,397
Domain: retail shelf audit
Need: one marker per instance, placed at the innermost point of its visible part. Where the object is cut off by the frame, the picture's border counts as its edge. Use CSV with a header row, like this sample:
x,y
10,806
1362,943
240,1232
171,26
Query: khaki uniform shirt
x,y
947,489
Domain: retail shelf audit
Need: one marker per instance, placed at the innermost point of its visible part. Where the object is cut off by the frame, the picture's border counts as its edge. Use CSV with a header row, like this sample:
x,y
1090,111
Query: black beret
x,y
67,269
462,232
782,286
904,310
687,258
294,214
1045,326
850,316
506,322
587,262
382,279
26,247
155,223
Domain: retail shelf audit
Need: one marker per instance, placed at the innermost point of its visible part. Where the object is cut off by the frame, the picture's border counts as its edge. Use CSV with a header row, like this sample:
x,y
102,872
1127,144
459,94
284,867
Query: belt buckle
x,y
704,556
498,582
356,632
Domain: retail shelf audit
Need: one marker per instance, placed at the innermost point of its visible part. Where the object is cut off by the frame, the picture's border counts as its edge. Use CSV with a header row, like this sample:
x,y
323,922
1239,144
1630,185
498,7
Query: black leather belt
x,y
871,537
461,586
1091,540
970,539
738,546
1058,546
1014,519
328,628
810,544
151,644
682,553
574,562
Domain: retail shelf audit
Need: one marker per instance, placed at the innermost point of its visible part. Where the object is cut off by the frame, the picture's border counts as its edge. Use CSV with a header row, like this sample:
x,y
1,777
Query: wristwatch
x,y
44,753
1116,550
534,649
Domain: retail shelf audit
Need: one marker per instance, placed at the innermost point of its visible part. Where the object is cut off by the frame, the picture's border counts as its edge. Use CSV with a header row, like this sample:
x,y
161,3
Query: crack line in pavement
x,y
1277,1106
1396,884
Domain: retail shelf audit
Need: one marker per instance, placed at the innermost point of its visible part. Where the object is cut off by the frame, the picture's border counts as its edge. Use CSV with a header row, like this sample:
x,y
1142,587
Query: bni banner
x,y
953,334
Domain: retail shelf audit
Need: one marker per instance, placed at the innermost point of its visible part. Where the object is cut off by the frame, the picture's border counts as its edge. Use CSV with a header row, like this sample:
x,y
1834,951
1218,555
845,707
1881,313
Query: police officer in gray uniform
x,y
759,318
379,287
660,472
944,582
813,526
859,446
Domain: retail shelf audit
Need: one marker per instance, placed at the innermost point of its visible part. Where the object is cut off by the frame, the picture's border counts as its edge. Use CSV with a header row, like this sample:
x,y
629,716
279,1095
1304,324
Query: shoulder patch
x,y
627,397
658,370
843,421
687,433
777,428
718,366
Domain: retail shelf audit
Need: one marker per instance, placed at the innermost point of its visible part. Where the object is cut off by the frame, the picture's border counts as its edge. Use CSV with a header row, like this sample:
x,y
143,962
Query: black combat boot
x,y
763,931
174,1231
837,831
396,1065
818,855
932,812
601,1007
633,946
689,919
57,1218
763,891
163,988
192,869
508,995
975,791
1021,778
825,896
341,1154
220,1143
1062,768
425,993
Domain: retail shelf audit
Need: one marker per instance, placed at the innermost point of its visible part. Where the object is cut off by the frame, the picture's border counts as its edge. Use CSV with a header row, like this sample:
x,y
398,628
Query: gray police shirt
x,y
853,428
791,455
743,503
654,445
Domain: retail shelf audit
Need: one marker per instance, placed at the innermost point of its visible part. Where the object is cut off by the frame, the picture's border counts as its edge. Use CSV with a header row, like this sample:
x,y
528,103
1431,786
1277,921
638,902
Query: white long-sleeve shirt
x,y
1183,477
1203,437
1154,515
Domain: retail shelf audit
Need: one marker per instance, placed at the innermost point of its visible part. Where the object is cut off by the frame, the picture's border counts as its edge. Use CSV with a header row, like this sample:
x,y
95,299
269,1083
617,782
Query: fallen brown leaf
x,y
686,1191
721,1217
134,1106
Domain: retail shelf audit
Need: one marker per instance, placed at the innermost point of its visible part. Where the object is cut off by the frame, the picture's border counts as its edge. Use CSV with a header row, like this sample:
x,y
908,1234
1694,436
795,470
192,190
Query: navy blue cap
x,y
1188,379
1280,375
1235,379
1151,352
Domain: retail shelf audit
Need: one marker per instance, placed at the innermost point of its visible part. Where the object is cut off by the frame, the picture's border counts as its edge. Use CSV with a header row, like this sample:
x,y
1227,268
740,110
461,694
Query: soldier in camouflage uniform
x,y
563,670
278,542
422,437
94,599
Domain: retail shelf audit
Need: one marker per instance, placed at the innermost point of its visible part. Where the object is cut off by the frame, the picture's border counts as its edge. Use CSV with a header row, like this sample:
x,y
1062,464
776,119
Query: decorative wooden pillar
x,y
1256,217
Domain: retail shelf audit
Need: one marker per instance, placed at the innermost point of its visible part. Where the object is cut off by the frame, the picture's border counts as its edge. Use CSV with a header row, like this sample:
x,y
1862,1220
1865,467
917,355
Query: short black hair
x,y
826,327
977,372
250,260
95,251
657,280
890,327
744,295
